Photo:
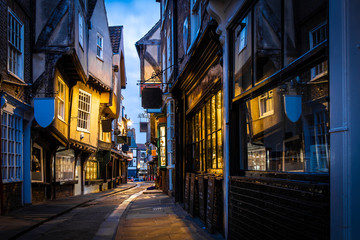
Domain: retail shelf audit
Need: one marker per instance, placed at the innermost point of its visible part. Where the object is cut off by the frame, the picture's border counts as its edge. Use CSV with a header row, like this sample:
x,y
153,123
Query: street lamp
x,y
129,123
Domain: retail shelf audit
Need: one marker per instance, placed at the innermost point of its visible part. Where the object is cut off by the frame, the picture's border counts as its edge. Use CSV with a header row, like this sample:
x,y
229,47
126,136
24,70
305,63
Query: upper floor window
x,y
168,54
84,109
266,104
15,60
99,46
195,19
11,152
61,98
243,34
81,30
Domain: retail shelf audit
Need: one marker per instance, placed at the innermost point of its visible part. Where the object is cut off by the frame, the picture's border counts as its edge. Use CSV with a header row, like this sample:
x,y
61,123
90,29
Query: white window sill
x,y
82,130
61,119
267,114
99,58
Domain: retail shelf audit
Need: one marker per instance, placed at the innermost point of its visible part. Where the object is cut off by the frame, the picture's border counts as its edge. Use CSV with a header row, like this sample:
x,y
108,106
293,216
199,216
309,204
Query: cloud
x,y
137,17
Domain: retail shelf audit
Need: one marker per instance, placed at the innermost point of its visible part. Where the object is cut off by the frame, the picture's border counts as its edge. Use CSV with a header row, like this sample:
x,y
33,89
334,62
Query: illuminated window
x,y
64,168
162,149
61,99
84,110
205,136
91,169
11,140
15,61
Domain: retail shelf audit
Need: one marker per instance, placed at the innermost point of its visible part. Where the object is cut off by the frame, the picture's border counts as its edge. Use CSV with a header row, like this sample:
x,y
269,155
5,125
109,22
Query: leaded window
x,y
12,154
15,59
204,139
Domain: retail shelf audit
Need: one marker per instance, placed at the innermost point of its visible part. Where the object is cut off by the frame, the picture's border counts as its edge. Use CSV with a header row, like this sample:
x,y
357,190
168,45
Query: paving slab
x,y
156,216
25,219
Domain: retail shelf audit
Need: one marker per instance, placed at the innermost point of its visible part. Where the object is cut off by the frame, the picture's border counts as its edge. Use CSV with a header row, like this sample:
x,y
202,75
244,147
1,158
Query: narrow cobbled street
x,y
134,211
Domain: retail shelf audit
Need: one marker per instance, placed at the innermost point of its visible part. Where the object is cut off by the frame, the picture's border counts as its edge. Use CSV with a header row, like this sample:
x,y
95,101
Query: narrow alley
x,y
179,119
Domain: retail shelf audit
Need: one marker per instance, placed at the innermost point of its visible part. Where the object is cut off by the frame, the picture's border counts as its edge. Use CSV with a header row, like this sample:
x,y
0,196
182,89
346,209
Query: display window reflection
x,y
272,35
295,137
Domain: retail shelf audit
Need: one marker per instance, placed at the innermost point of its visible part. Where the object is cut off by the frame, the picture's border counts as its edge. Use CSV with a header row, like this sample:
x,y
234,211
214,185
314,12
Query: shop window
x,y
295,138
61,98
243,58
267,38
204,140
84,109
99,46
15,60
162,145
11,140
37,163
304,25
91,169
65,164
273,35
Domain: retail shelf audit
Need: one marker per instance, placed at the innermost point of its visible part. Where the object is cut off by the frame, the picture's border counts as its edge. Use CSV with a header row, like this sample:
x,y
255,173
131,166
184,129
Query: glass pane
x,y
219,150
213,114
242,56
305,26
208,123
218,110
267,42
295,137
213,151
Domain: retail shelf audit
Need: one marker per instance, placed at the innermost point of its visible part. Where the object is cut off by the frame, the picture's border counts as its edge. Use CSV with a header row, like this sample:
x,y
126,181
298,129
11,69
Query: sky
x,y
137,17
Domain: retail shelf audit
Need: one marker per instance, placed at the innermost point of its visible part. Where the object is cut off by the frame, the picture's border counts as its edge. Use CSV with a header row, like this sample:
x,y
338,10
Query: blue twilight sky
x,y
137,17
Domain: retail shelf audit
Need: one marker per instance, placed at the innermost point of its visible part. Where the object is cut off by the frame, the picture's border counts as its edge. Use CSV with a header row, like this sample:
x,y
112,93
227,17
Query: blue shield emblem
x,y
44,111
293,107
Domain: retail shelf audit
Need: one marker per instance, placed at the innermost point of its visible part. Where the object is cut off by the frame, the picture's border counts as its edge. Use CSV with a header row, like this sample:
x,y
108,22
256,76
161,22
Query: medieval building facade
x,y
262,150
61,78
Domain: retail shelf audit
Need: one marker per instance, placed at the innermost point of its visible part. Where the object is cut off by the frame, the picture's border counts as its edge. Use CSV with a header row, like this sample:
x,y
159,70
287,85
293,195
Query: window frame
x,y
19,69
81,29
87,113
100,47
61,99
15,144
35,145
60,165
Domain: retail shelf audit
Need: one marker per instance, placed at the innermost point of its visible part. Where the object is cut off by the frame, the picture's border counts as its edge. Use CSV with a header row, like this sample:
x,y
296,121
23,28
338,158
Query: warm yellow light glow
x,y
129,123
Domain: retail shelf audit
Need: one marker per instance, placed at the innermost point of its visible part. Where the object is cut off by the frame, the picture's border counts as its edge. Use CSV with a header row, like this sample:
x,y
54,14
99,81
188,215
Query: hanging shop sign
x,y
106,125
143,126
151,98
44,111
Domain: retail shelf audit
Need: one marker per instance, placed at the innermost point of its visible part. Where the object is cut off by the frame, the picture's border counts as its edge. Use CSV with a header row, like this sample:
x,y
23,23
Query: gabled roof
x,y
149,33
115,36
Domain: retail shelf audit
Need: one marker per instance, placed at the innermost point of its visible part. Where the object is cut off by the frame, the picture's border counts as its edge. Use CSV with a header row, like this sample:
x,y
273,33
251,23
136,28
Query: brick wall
x,y
63,191
38,193
12,196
